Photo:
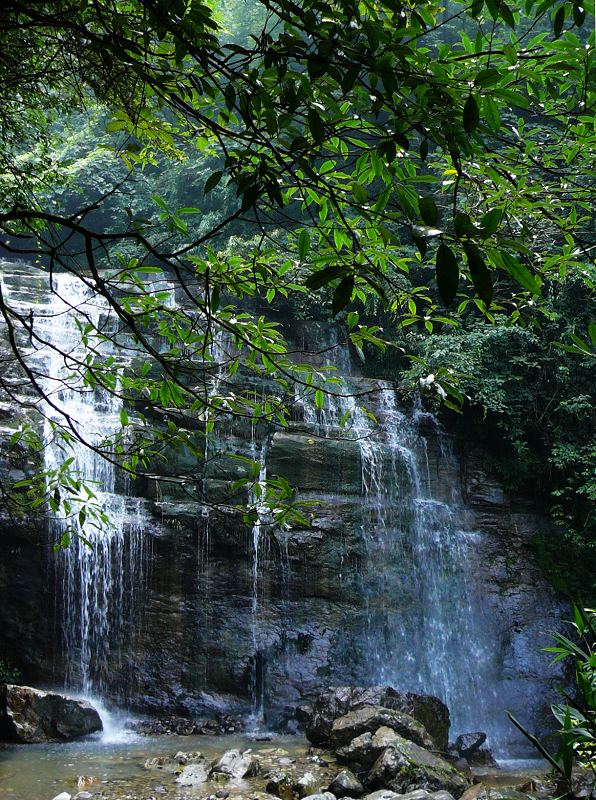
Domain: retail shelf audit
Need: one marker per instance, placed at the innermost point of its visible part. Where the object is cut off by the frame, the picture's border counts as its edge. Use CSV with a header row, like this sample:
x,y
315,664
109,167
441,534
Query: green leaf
x,y
212,181
479,274
490,221
579,14
428,210
324,276
487,77
359,192
506,14
471,115
114,126
303,243
319,399
491,113
342,294
520,273
447,273
316,125
559,21
352,319
537,744
123,417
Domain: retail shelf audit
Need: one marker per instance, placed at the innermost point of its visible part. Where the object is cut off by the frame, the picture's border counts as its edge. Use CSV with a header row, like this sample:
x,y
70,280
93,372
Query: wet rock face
x,y
29,716
330,607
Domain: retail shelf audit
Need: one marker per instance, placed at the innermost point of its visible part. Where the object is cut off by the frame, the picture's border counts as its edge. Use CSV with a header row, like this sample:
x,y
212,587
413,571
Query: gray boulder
x,y
404,766
364,750
336,702
237,765
29,715
320,796
370,719
307,785
281,784
361,753
193,775
417,794
346,784
383,794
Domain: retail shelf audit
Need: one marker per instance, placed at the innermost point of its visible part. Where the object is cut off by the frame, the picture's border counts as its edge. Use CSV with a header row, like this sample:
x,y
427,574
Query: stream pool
x,y
113,766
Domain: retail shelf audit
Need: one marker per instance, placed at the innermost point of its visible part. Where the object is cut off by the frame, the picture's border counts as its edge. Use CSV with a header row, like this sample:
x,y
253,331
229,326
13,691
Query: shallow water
x,y
41,771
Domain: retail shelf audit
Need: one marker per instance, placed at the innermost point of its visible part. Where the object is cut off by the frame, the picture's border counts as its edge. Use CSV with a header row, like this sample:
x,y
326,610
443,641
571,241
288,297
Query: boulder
x,y
467,743
370,719
281,784
320,796
360,753
364,750
482,792
404,766
236,765
383,794
193,775
29,716
346,784
417,794
63,796
307,785
336,702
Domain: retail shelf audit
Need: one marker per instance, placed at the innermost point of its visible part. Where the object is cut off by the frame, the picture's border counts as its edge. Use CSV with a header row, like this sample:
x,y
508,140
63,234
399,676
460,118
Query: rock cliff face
x,y
414,569
197,646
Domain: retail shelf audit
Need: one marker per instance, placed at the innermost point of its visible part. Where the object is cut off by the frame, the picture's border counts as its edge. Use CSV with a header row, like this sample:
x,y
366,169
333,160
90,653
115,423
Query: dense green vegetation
x,y
427,171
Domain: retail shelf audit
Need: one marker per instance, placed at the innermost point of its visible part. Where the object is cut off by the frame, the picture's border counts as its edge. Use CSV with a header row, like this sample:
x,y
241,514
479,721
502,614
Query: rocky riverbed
x,y
363,744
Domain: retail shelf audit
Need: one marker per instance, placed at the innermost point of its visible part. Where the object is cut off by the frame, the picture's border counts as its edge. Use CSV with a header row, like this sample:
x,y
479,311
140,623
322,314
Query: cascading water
x,y
100,574
257,680
426,629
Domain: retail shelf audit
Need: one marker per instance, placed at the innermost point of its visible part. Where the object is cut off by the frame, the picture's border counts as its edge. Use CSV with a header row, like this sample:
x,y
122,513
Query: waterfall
x,y
426,628
257,678
100,574
382,583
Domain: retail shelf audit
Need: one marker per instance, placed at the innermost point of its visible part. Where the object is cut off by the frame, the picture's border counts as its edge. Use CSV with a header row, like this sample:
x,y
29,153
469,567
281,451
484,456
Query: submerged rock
x,y
30,716
193,775
404,766
337,702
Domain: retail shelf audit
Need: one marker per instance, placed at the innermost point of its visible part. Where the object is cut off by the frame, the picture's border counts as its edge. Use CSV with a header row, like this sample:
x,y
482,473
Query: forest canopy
x,y
422,173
